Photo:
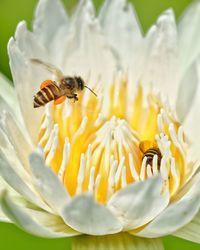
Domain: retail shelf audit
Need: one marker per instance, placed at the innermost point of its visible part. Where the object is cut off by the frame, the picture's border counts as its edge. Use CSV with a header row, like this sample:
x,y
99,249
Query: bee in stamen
x,y
149,149
60,89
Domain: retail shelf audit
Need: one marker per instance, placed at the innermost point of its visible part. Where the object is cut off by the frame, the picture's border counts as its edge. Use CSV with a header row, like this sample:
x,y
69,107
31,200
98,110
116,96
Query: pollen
x,y
93,145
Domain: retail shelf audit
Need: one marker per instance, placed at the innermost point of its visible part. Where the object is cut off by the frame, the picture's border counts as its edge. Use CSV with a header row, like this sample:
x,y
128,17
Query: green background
x,y
13,11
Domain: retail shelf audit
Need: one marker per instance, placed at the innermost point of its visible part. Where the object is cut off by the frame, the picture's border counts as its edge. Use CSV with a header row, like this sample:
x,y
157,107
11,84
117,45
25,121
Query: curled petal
x,y
88,217
191,230
177,215
17,137
18,184
139,203
47,183
10,153
35,224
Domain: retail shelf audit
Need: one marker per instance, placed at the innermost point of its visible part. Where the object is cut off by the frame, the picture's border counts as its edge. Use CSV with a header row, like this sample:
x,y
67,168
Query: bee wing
x,y
51,68
145,145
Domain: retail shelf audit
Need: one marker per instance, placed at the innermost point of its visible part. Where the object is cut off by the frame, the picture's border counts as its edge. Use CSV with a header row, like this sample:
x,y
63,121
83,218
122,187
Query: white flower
x,y
98,181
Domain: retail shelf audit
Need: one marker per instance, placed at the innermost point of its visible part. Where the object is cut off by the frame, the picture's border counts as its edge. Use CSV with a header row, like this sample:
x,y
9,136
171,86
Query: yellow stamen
x,y
96,150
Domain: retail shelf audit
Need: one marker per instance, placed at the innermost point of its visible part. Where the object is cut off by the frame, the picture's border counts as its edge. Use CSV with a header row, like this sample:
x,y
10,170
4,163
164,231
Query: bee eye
x,y
80,83
68,82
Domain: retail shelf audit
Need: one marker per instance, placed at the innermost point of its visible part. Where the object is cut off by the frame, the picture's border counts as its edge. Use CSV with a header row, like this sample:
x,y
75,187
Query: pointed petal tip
x,y
21,27
85,8
87,4
151,30
168,15
169,12
11,43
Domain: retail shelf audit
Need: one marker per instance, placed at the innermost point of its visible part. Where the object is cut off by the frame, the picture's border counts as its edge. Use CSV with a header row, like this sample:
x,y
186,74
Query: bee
x,y
149,149
60,89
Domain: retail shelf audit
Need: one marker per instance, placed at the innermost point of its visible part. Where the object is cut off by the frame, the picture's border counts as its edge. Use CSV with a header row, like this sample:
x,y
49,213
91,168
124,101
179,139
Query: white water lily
x,y
76,168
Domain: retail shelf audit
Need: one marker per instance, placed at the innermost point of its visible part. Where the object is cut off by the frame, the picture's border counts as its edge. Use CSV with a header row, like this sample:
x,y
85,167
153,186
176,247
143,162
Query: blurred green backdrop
x,y
13,11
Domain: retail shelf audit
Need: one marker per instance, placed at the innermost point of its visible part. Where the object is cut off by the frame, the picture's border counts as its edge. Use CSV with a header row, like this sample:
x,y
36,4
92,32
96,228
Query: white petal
x,y
121,241
18,139
6,90
192,121
3,186
192,181
176,215
5,106
26,81
26,76
121,27
191,231
83,59
11,156
85,215
50,17
161,55
189,37
28,43
3,218
31,223
139,203
8,94
18,184
47,183
187,91
84,8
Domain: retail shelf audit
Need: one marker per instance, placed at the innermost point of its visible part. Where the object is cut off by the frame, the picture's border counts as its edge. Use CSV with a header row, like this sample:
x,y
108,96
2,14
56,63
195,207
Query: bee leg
x,y
70,96
59,100
74,96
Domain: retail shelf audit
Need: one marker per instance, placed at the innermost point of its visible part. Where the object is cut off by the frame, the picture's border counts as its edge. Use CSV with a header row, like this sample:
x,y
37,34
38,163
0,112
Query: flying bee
x,y
60,89
149,149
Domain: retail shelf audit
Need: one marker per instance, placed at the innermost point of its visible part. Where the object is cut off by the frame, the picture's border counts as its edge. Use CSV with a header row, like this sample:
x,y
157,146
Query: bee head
x,y
80,82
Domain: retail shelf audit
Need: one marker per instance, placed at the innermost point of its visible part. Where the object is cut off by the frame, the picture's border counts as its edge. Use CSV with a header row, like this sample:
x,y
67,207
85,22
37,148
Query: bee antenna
x,y
90,90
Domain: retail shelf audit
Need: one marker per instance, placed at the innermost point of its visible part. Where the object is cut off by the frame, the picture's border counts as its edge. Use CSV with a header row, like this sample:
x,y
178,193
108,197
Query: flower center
x,y
100,146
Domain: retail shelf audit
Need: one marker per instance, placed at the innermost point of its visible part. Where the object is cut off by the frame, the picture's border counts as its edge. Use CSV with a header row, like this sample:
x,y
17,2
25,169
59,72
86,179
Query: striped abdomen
x,y
45,95
149,154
